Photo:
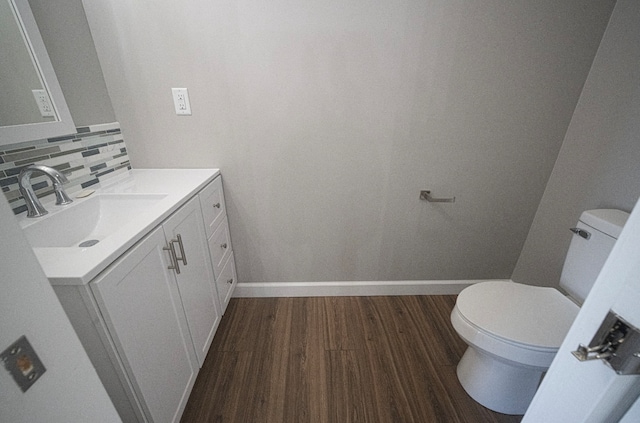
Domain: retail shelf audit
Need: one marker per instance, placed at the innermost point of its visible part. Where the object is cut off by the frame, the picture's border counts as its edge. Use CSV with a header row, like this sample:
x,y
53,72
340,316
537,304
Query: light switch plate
x,y
22,362
181,101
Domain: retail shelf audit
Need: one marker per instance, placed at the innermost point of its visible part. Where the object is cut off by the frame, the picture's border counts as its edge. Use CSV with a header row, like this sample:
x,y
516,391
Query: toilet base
x,y
496,384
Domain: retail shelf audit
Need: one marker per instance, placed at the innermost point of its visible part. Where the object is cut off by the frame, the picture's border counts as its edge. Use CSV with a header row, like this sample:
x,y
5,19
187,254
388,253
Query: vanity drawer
x,y
226,282
220,247
212,205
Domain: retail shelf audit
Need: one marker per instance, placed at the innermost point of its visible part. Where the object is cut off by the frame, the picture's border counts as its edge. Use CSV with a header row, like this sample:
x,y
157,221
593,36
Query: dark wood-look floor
x,y
335,359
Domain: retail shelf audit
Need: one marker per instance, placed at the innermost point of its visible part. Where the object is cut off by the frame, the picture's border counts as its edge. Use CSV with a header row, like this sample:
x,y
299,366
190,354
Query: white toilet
x,y
514,330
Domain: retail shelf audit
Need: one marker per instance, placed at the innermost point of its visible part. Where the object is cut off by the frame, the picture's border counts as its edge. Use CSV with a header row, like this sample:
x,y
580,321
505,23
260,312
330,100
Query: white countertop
x,y
78,266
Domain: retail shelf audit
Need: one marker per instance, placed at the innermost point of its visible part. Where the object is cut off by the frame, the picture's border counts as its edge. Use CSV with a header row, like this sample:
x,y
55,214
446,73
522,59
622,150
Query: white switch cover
x,y
44,103
181,101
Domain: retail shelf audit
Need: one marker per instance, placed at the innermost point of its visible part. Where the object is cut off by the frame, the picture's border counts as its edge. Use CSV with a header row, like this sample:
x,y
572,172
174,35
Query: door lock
x,y
617,343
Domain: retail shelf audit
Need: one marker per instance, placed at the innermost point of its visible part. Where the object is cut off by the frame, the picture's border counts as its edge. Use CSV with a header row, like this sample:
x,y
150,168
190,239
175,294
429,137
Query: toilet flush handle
x,y
581,232
426,195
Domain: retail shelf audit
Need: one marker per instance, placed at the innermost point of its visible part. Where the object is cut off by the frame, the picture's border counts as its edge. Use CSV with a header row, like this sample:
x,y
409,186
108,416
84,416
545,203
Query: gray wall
x,y
66,35
328,117
599,163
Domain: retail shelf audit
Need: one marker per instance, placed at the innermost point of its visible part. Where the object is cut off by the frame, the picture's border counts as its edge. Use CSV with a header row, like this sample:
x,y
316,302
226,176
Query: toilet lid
x,y
530,315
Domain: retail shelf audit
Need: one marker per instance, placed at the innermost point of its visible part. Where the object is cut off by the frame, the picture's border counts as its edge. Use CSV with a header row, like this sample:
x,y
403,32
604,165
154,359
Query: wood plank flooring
x,y
336,360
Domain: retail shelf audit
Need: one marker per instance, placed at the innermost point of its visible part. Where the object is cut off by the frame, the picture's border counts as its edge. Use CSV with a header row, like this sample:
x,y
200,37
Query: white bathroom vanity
x,y
148,292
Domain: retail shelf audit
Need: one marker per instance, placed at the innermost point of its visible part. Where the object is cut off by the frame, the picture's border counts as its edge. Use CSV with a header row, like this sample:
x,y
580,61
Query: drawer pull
x,y
230,281
223,245
216,205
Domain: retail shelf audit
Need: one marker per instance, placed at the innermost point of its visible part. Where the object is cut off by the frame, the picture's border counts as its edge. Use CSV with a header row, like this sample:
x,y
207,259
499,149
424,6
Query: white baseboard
x,y
351,288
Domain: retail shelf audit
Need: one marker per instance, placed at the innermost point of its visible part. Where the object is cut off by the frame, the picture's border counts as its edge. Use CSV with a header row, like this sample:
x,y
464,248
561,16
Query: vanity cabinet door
x,y
185,230
140,303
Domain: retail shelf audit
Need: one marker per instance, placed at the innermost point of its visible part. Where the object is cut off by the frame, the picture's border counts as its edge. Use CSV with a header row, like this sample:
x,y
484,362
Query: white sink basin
x,y
85,223
117,215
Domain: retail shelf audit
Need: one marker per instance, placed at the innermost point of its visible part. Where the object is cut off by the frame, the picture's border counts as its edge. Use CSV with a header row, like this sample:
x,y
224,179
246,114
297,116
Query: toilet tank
x,y
589,249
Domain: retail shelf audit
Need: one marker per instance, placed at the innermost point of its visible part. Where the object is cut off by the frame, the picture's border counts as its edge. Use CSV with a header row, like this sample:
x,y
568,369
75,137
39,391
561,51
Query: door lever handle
x,y
584,353
616,343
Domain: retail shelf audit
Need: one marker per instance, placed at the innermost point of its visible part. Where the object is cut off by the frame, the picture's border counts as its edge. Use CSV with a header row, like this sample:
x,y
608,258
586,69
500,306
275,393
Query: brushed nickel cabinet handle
x,y
172,255
183,257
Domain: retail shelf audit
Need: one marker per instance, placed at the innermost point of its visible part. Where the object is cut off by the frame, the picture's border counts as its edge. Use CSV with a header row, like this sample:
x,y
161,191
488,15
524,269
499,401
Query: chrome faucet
x,y
34,206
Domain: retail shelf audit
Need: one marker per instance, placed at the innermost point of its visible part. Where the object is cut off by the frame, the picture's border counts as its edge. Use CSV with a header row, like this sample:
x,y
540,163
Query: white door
x,y
590,391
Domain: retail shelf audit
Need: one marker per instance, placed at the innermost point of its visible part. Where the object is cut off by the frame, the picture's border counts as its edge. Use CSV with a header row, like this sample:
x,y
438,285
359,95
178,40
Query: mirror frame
x,y
34,131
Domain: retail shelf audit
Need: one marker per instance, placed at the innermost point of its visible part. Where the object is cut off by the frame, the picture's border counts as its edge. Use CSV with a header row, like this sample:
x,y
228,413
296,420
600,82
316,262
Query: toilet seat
x,y
515,322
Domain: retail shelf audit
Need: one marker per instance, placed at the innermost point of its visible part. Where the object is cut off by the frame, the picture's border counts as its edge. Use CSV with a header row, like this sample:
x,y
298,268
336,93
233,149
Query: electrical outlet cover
x,y
181,101
44,103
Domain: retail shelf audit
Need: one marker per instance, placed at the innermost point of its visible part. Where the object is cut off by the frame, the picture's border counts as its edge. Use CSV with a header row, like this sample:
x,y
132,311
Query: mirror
x,y
31,105
18,74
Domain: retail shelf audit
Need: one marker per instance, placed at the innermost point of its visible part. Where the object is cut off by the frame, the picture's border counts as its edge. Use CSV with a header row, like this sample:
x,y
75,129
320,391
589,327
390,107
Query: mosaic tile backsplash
x,y
94,154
